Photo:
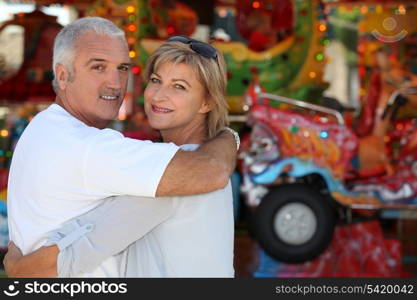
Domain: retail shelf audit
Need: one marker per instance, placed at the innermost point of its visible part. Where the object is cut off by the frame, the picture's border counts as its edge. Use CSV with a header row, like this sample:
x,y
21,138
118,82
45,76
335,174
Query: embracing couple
x,y
84,201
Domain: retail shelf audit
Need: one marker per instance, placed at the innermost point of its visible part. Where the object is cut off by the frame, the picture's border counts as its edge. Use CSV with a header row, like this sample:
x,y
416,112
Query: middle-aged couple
x,y
81,197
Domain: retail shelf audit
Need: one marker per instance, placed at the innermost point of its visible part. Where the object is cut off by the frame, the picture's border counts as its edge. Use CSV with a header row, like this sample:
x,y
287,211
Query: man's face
x,y
96,91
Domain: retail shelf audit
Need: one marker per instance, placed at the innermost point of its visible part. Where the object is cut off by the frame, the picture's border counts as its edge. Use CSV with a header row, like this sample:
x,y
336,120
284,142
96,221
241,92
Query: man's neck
x,y
67,107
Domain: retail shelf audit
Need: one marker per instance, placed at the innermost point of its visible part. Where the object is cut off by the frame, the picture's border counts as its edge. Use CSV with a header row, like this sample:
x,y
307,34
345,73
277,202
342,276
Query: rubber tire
x,y
263,220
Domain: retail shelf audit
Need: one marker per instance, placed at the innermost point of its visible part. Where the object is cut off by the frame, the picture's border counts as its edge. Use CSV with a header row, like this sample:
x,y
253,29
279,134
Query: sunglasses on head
x,y
199,47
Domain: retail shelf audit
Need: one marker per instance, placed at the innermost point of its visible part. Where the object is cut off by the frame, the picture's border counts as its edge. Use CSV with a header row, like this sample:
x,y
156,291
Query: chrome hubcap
x,y
295,223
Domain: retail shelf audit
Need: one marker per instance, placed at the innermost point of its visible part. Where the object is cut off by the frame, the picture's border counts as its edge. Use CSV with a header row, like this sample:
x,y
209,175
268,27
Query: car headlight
x,y
264,144
257,168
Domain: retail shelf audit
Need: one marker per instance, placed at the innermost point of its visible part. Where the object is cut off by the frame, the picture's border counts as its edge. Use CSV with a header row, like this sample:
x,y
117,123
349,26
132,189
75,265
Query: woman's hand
x,y
40,263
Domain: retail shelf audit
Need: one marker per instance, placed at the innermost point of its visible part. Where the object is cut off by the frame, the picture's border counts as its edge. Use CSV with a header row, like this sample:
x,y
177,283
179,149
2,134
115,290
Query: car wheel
x,y
293,223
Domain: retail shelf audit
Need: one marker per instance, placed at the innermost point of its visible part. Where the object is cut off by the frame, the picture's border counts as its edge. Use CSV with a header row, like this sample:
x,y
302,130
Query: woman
x,y
185,101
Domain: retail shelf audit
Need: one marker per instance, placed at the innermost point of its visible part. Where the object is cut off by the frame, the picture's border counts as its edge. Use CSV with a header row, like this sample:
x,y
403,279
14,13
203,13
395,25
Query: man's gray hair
x,y
65,41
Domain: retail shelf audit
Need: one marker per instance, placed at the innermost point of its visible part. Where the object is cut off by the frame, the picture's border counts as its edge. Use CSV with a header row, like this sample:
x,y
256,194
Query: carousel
x,y
285,48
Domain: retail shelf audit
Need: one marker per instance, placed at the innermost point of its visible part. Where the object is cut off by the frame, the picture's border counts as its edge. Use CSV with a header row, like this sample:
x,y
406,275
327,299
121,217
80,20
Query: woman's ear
x,y
62,76
206,107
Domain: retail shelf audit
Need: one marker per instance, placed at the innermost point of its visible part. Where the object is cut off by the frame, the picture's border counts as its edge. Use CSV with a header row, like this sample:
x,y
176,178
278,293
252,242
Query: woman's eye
x,y
179,86
154,80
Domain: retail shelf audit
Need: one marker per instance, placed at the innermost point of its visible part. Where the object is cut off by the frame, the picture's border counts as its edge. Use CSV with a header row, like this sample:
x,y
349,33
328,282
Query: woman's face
x,y
175,99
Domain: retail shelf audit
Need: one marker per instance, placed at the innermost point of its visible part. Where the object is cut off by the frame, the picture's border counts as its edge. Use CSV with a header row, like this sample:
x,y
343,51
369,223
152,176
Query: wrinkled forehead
x,y
109,47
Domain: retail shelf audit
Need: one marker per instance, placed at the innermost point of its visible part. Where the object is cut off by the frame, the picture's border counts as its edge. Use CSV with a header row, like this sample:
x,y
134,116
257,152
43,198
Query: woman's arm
x,y
40,263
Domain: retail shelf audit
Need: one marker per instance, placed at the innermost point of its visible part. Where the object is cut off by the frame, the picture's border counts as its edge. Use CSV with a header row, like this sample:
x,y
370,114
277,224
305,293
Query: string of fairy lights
x,y
135,10
131,34
131,29
371,8
9,135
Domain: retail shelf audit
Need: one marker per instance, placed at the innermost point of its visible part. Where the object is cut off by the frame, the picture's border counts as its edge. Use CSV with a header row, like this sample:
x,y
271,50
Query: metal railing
x,y
334,113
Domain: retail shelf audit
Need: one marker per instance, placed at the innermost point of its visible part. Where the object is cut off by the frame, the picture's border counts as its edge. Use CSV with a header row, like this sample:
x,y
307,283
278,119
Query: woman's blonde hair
x,y
211,73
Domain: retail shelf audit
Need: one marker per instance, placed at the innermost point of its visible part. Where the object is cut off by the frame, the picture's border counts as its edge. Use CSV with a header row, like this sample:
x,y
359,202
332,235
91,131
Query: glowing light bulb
x,y
322,27
324,134
4,133
364,9
131,27
401,10
256,4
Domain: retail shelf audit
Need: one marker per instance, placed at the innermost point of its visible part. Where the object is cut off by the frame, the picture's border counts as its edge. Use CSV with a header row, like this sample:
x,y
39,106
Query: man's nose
x,y
114,80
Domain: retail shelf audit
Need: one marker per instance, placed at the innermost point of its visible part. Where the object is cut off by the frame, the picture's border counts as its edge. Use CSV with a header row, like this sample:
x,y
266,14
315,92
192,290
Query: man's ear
x,y
62,76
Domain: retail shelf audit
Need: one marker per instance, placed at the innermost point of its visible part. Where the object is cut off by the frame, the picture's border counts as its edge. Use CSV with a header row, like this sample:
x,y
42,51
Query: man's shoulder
x,y
106,135
57,119
55,125
53,113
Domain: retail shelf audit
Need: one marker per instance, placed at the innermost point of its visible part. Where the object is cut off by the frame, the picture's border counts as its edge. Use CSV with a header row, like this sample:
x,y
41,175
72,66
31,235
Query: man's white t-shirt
x,y
62,168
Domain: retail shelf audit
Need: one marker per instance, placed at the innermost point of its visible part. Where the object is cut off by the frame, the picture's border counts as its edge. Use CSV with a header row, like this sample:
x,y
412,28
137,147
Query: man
x,y
65,161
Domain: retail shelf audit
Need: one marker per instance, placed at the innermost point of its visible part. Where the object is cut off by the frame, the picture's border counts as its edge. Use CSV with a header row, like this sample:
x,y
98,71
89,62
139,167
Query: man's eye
x,y
98,67
124,68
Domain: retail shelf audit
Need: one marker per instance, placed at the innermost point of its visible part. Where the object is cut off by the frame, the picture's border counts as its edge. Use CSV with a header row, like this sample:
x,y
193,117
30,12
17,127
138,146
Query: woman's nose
x,y
160,93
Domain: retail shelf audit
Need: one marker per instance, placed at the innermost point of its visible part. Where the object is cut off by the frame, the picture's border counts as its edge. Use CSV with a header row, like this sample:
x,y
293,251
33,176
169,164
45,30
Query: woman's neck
x,y
182,136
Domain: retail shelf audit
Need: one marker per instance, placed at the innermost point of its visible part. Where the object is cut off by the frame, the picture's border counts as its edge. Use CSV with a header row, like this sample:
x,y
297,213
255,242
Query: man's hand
x,y
10,260
202,171
40,263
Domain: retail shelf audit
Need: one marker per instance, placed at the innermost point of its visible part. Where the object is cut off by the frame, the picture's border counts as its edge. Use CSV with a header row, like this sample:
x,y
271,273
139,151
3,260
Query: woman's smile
x,y
176,104
160,110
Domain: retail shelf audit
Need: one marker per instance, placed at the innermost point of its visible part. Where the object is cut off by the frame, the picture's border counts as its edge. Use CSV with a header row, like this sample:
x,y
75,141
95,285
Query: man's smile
x,y
109,97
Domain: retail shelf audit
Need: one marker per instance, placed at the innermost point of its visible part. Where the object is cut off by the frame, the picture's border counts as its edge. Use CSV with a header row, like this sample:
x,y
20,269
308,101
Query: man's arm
x,y
84,242
202,171
40,263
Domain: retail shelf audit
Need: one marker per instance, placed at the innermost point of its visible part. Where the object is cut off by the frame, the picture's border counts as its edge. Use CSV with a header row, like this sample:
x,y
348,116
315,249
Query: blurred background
x,y
322,93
